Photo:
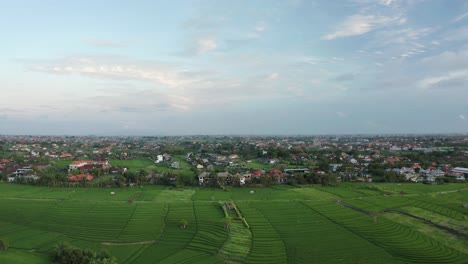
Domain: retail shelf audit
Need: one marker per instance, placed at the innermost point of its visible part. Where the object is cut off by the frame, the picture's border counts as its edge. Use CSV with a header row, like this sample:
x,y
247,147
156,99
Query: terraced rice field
x,y
283,224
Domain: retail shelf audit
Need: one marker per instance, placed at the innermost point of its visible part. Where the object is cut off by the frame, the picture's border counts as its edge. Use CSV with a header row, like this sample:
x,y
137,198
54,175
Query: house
x,y
458,175
85,165
159,159
335,166
391,160
199,166
167,157
437,173
257,173
26,173
303,170
203,178
80,177
278,176
459,169
247,176
225,178
175,165
233,156
273,161
66,155
241,178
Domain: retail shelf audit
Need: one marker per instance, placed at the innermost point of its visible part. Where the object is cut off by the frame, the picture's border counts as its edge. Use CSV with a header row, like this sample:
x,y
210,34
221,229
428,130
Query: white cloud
x,y
273,76
206,44
261,26
118,69
342,114
380,2
459,18
462,117
449,60
427,83
405,36
459,34
361,24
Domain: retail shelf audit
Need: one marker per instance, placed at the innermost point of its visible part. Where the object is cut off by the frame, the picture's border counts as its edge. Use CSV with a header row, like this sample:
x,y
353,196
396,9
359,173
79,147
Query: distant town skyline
x,y
286,67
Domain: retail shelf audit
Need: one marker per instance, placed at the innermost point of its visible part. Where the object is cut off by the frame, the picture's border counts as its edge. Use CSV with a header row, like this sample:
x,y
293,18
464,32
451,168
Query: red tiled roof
x,y
275,173
79,177
257,173
78,162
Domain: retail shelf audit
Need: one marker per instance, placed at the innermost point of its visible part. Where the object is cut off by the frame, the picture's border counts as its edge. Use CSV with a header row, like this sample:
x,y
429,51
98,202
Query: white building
x,y
159,159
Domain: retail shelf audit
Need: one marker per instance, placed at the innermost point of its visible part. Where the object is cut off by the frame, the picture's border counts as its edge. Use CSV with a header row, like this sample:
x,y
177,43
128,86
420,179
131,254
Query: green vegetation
x,y
66,253
279,224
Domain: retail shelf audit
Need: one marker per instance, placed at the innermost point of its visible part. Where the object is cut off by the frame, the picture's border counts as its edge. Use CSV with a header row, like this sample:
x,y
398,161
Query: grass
x,y
237,246
443,237
285,224
134,165
13,256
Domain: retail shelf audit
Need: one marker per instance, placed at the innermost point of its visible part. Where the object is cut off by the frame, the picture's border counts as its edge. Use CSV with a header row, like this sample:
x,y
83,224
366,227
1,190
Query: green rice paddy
x,y
283,224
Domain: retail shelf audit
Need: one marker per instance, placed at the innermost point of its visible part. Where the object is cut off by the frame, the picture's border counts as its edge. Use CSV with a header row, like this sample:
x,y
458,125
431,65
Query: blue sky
x,y
233,67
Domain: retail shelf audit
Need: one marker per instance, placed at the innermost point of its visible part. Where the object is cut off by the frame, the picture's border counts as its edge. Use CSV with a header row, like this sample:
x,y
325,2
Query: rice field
x,y
283,224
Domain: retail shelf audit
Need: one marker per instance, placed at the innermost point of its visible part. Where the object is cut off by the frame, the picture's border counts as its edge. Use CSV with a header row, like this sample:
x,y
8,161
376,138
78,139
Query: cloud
x,y
105,43
361,24
205,44
459,18
146,101
404,36
449,60
458,34
345,77
261,26
109,68
341,114
462,117
380,2
273,76
459,77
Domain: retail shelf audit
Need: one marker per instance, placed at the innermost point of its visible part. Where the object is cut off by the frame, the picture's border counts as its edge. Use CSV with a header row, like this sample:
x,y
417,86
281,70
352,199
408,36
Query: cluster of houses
x,y
87,165
226,178
416,173
3,164
83,167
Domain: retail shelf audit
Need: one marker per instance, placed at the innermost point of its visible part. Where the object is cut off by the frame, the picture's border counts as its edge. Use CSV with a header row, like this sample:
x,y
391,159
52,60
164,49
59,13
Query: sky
x,y
283,67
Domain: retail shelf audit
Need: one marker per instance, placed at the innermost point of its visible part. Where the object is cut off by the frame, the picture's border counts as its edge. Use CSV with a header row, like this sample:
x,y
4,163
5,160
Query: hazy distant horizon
x,y
239,135
280,67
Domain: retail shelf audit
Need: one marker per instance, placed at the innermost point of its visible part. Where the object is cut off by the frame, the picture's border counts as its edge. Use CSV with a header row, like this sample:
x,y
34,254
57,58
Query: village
x,y
232,160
